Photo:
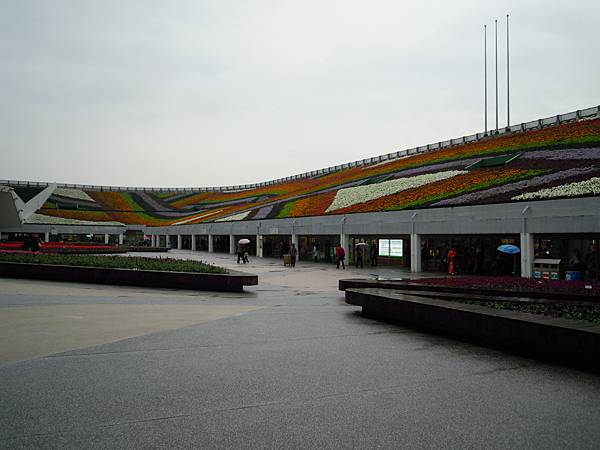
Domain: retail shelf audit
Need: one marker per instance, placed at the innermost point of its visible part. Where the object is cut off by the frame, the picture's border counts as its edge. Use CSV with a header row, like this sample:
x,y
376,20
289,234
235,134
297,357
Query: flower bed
x,y
515,284
500,193
589,313
114,262
470,181
577,189
362,194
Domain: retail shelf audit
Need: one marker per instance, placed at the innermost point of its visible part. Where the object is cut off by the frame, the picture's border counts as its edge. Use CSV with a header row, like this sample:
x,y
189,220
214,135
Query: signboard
x,y
396,247
391,247
384,247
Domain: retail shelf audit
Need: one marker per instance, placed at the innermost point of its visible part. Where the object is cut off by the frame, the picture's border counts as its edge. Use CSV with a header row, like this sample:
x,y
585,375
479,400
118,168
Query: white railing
x,y
518,128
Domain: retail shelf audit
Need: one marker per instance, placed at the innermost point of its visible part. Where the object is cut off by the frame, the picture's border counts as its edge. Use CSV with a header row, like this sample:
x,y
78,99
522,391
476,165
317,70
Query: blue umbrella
x,y
508,248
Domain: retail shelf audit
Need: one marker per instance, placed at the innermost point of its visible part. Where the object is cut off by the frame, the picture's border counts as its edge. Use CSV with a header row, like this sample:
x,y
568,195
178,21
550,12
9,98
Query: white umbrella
x,y
244,241
361,243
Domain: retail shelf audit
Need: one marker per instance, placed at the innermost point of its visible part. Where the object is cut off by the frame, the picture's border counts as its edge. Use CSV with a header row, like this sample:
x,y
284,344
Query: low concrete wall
x,y
232,282
564,340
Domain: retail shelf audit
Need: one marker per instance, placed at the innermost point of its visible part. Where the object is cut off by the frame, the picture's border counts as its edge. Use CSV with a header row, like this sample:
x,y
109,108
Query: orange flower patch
x,y
314,205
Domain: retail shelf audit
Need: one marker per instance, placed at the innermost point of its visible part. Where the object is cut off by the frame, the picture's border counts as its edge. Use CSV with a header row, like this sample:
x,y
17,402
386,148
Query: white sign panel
x,y
384,247
396,247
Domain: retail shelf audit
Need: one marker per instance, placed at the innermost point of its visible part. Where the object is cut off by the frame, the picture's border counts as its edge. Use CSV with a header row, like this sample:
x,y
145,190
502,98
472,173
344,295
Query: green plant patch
x,y
576,312
287,209
114,262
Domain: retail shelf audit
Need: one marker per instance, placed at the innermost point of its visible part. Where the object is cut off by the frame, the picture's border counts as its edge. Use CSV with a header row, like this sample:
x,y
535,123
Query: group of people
x,y
359,257
479,260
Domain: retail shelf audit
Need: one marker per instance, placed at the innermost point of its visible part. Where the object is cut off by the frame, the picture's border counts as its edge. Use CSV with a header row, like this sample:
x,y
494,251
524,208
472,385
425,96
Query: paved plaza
x,y
285,364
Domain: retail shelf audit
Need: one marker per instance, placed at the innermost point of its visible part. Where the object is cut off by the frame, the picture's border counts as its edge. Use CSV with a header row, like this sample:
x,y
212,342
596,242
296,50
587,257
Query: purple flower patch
x,y
564,154
514,187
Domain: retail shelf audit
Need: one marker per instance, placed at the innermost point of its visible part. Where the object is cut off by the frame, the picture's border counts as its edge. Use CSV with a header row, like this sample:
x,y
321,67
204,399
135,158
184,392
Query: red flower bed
x,y
517,284
9,245
48,246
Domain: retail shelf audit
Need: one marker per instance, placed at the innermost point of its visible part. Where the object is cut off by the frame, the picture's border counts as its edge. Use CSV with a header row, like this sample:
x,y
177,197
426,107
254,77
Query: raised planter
x,y
564,340
416,286
231,282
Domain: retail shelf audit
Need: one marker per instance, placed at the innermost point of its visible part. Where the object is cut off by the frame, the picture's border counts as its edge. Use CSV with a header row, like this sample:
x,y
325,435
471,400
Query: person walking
x,y
240,253
360,254
452,257
316,253
373,253
340,255
293,254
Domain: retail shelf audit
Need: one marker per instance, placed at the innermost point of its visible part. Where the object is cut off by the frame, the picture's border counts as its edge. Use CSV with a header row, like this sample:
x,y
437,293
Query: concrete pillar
x,y
344,240
121,239
527,255
211,247
47,236
259,245
232,244
415,253
167,242
193,242
179,242
152,240
106,238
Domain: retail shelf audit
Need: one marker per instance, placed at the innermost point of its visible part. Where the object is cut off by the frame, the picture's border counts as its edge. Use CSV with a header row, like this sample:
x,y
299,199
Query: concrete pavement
x,y
293,367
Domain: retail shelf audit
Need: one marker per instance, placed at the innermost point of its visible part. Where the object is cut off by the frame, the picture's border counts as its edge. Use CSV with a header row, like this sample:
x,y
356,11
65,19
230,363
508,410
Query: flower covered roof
x,y
562,161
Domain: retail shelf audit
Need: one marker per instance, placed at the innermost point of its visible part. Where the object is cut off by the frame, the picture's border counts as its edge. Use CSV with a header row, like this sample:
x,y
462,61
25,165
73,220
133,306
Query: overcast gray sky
x,y
204,93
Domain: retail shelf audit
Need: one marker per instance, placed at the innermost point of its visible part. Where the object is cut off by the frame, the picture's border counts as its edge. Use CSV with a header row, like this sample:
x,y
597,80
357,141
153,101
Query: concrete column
x,y
344,240
152,240
527,255
106,238
47,236
415,252
167,243
211,247
193,242
121,239
259,245
179,246
232,244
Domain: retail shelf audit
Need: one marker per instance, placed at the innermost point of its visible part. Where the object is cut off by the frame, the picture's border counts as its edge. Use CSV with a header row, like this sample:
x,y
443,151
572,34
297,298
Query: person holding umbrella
x,y
503,267
241,251
360,253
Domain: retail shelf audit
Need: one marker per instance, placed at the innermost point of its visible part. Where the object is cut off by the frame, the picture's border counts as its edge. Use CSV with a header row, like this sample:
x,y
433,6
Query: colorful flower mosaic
x,y
554,162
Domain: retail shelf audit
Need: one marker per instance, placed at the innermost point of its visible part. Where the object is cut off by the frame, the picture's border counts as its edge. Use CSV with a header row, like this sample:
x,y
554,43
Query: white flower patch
x,y
36,218
577,189
240,216
77,194
360,194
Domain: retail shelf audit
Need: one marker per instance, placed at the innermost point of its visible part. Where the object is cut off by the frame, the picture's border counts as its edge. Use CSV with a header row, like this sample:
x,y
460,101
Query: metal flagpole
x,y
496,35
507,78
485,75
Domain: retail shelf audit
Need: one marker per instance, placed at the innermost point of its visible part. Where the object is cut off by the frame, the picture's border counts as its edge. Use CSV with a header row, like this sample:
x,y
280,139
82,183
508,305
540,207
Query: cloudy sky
x,y
205,93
